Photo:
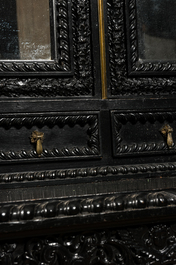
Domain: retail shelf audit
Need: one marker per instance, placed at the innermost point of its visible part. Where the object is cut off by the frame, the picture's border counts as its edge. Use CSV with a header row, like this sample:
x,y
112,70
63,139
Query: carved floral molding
x,y
148,244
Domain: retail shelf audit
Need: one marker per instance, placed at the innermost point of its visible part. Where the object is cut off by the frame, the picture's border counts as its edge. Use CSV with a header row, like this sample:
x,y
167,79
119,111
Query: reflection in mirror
x,y
25,30
156,28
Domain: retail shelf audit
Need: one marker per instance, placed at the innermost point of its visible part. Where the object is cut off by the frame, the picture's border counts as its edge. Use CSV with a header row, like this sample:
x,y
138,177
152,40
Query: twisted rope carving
x,y
50,121
30,67
133,33
63,39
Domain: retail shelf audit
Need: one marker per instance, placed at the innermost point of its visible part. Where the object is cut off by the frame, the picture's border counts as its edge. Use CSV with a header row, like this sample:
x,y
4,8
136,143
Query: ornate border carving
x,y
81,83
120,83
18,121
88,172
60,64
120,119
144,244
16,212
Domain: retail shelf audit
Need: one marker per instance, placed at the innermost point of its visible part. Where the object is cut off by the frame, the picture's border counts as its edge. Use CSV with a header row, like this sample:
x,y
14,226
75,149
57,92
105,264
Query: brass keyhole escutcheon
x,y
38,137
167,131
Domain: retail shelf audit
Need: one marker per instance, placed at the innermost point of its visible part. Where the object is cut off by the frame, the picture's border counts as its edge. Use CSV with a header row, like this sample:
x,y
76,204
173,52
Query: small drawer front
x,y
60,135
145,133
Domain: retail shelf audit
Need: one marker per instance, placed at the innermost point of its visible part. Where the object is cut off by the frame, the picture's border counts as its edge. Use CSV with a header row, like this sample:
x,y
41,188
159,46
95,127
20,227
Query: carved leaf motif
x,y
151,245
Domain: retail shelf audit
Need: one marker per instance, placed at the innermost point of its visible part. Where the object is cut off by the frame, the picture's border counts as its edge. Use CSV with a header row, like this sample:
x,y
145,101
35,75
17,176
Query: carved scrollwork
x,y
147,244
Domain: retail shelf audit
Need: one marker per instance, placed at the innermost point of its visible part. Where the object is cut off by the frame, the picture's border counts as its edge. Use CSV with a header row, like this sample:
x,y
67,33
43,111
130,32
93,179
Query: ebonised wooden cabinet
x,y
102,191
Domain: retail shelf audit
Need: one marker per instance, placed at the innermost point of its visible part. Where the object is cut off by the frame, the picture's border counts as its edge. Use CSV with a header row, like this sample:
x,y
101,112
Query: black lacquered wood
x,y
103,189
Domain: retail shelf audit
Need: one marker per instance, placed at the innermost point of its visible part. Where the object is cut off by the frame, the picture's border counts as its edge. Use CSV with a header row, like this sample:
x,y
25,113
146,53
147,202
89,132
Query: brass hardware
x,y
102,48
167,131
37,137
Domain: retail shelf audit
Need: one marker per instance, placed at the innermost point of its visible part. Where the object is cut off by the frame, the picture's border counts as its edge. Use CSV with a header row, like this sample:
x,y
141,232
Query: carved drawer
x,y
65,136
143,133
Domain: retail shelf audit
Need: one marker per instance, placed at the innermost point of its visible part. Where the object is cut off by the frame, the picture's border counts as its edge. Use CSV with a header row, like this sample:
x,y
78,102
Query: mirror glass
x,y
156,29
25,30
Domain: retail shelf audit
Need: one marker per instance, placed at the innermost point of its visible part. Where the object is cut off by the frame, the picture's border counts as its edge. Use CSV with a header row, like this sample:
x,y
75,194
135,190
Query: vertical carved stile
x,y
102,48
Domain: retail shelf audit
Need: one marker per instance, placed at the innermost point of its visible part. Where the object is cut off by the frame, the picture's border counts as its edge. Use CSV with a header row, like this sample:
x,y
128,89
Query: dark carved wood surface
x,y
143,245
21,216
102,188
59,208
77,135
91,172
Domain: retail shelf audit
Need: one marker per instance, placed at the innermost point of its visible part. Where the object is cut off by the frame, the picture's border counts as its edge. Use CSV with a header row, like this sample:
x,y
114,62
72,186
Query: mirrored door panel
x,y
25,30
156,28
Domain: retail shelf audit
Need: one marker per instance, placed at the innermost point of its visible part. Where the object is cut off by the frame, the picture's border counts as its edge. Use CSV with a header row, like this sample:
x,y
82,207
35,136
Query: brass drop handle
x,y
38,137
167,131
